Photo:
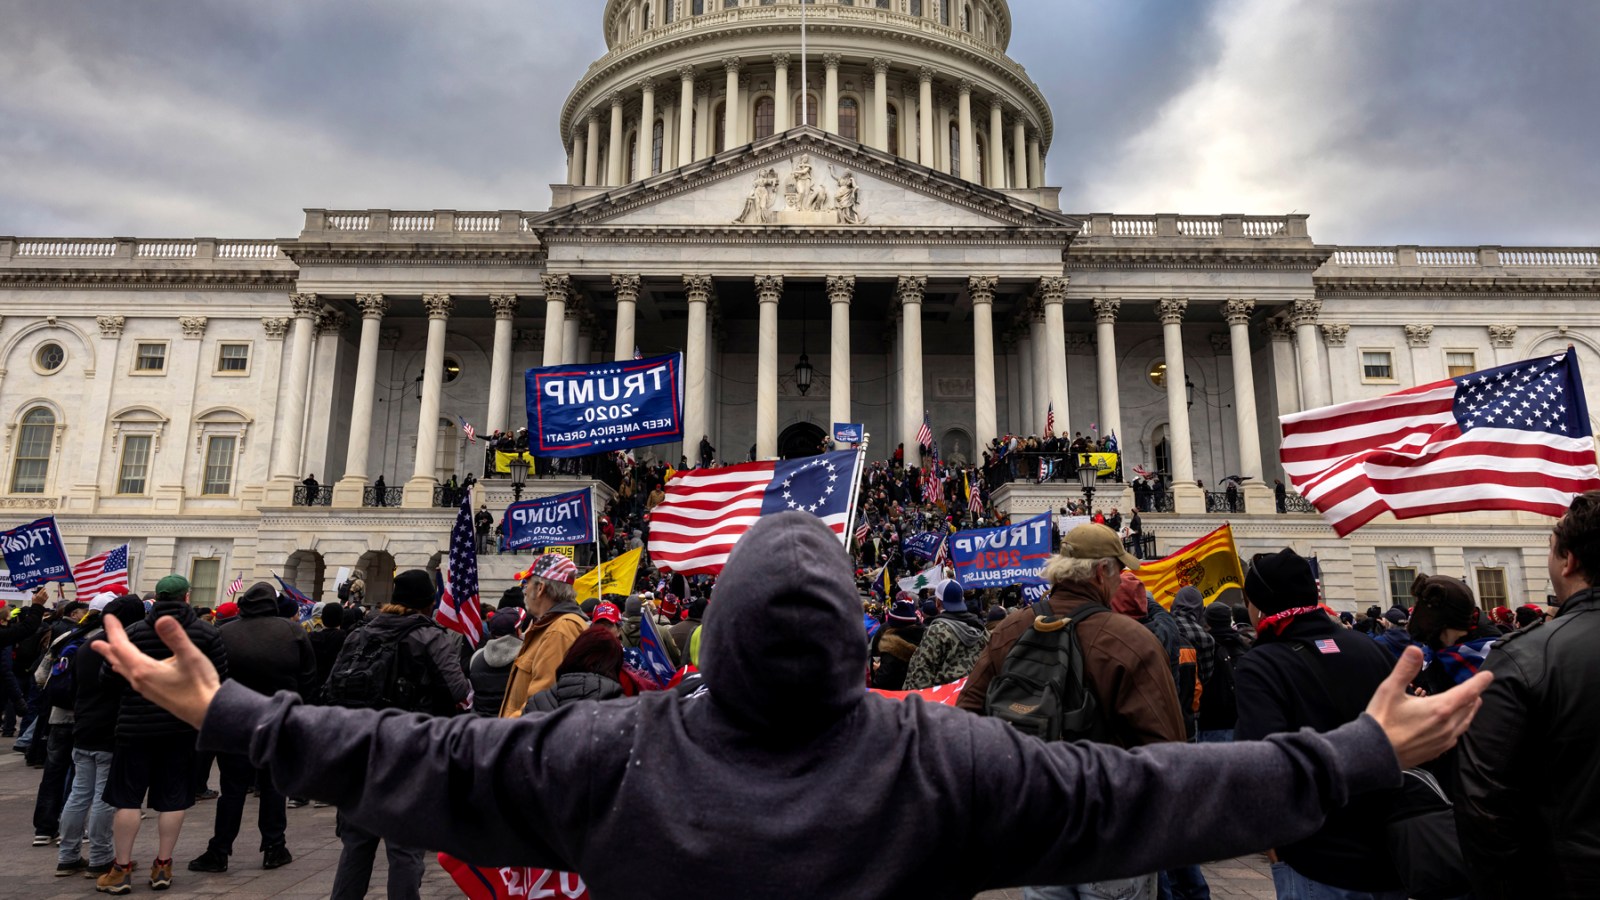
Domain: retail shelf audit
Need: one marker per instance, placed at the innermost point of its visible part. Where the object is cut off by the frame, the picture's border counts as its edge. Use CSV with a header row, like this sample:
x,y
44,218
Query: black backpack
x,y
1041,688
371,671
1220,700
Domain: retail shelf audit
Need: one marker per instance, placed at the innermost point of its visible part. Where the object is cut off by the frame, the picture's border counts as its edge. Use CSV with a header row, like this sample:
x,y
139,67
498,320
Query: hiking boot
x,y
161,874
71,868
96,871
116,880
43,840
276,857
209,861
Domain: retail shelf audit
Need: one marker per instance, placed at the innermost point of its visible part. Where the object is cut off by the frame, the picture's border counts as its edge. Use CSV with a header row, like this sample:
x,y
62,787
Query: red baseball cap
x,y
607,612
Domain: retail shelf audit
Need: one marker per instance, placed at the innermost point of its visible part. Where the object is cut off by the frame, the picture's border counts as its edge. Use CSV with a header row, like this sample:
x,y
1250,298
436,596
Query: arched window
x,y
966,18
944,11
916,7
648,16
766,112
809,117
847,118
893,123
666,11
658,143
34,438
982,174
694,133
633,157
719,118
697,7
955,149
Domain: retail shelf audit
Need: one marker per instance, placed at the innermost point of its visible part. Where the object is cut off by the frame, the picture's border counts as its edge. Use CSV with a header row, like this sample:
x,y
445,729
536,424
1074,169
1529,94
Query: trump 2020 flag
x,y
1511,437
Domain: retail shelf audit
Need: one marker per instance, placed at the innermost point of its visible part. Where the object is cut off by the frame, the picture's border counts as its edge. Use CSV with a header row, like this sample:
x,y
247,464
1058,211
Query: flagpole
x,y
855,490
805,94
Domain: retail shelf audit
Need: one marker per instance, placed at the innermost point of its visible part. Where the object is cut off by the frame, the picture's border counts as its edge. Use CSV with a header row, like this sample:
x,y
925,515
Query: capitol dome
x,y
928,80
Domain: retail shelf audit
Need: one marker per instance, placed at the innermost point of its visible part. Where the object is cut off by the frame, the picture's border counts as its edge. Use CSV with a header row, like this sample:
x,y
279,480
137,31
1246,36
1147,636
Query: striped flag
x,y
456,585
1511,437
974,497
925,431
236,585
472,433
707,510
1050,419
1210,564
107,571
861,534
931,486
1326,646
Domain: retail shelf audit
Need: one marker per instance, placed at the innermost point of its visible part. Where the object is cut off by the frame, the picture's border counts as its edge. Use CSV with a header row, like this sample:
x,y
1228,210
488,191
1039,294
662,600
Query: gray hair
x,y
1059,569
559,591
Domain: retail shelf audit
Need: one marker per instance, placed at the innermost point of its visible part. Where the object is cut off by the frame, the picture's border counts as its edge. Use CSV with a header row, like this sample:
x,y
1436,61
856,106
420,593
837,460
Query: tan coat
x,y
543,647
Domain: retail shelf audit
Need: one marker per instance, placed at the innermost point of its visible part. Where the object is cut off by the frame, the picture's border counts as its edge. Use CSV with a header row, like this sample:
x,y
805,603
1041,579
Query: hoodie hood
x,y
260,600
784,647
1188,602
501,652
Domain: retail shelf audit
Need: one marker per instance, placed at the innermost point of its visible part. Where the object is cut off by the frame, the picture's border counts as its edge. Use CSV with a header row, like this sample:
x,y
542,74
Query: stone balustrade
x,y
137,249
1107,225
1485,257
330,223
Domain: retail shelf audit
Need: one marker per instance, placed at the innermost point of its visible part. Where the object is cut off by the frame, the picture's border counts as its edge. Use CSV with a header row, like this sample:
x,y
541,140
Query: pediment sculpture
x,y
800,200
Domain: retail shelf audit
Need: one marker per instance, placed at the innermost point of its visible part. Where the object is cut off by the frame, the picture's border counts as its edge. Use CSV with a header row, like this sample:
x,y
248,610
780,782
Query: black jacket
x,y
94,709
571,688
138,720
1283,685
268,653
1219,704
489,670
1529,771
430,658
25,627
326,644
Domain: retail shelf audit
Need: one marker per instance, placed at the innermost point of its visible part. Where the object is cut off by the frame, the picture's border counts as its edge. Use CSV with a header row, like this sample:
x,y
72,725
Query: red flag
x,y
517,883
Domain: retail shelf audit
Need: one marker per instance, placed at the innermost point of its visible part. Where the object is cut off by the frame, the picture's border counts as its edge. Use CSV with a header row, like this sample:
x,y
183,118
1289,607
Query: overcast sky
x,y
1388,121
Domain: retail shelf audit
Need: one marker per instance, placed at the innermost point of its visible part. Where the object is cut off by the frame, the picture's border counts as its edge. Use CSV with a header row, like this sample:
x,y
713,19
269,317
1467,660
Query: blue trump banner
x,y
34,554
848,432
998,557
924,544
551,521
582,409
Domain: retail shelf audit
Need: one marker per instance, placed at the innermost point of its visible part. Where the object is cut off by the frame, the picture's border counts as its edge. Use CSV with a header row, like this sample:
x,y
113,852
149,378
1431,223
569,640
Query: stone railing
x,y
1108,225
1406,256
320,222
137,248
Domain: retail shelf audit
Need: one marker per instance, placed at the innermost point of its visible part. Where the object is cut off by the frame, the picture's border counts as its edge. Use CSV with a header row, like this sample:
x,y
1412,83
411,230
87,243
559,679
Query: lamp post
x,y
802,374
1188,387
1086,476
519,476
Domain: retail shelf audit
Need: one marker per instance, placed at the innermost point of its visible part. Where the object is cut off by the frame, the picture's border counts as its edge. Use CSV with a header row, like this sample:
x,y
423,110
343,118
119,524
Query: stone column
x,y
1052,295
647,126
782,103
830,93
1019,153
616,154
1105,340
695,424
685,115
841,290
969,141
1171,313
1035,163
769,288
1257,497
703,141
505,314
1313,380
880,105
591,151
909,291
556,290
926,154
419,490
575,161
291,417
1041,367
571,331
981,289
997,145
348,491
586,333
1024,423
730,107
1286,381
86,491
627,287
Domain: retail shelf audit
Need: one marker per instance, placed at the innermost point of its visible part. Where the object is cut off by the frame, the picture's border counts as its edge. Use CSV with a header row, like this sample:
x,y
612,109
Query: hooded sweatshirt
x,y
690,784
267,653
489,670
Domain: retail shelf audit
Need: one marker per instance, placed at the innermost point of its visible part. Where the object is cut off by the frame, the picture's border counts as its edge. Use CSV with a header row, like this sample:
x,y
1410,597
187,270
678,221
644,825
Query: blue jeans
x,y
1140,888
1187,883
1291,885
1216,736
84,808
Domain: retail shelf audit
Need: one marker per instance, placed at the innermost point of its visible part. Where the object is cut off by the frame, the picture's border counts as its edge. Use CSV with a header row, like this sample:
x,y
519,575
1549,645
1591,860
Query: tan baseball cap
x,y
1093,541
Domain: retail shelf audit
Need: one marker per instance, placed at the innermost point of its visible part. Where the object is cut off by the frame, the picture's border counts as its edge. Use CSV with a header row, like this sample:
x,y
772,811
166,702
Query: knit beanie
x,y
413,589
1280,581
332,615
1218,616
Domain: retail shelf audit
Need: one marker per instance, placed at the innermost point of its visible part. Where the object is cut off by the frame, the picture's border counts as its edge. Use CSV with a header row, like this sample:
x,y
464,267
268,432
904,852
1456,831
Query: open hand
x,y
182,685
1421,728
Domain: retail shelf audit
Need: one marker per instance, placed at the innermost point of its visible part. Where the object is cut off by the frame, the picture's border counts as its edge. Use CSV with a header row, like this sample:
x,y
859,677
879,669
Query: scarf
x,y
1274,625
1463,660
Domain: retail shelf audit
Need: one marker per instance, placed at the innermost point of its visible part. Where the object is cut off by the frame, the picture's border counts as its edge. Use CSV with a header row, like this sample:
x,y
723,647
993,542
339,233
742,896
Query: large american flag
x,y
925,431
1511,437
932,486
457,608
707,510
107,571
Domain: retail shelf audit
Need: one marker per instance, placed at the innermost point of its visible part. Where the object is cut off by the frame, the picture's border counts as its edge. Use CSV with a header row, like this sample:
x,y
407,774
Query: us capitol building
x,y
894,227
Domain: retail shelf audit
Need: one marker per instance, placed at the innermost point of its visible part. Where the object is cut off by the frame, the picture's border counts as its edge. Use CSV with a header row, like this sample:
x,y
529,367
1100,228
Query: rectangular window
x,y
1460,362
219,465
135,464
1377,365
203,576
1491,587
1400,578
151,358
233,358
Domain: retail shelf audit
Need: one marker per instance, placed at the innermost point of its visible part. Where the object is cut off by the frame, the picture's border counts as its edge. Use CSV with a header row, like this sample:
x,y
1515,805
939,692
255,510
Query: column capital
x,y
880,65
557,287
373,306
1278,328
192,326
1052,290
438,305
110,326
1418,335
841,288
331,322
1502,336
732,63
910,288
981,288
626,286
1336,335
831,60
594,117
1238,312
504,306
275,326
1305,312
925,75
646,85
686,73
698,288
780,60
964,87
616,101
769,288
1171,310
305,306
1106,309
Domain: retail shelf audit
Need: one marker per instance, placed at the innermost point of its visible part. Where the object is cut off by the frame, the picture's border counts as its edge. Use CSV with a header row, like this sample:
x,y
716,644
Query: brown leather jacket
x,y
1123,662
543,647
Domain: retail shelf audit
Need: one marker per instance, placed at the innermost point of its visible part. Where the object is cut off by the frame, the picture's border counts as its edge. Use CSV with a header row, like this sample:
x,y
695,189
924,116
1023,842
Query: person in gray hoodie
x,y
490,668
784,761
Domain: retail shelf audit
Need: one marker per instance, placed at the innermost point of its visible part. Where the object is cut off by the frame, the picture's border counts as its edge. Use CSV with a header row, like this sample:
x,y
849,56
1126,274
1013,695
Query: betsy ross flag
x,y
925,431
707,510
106,572
472,433
457,582
1511,437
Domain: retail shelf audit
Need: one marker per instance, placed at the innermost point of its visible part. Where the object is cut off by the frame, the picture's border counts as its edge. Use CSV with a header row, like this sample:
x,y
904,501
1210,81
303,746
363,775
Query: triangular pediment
x,y
803,178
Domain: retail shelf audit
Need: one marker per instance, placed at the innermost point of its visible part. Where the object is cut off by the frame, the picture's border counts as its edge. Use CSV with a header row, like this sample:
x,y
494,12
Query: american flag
x,y
1326,646
861,533
472,433
106,572
457,583
974,497
708,510
931,484
236,586
636,353
925,431
1050,419
1511,437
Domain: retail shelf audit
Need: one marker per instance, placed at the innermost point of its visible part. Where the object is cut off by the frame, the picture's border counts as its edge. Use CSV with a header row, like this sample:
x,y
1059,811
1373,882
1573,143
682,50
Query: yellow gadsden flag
x,y
1210,564
611,577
